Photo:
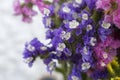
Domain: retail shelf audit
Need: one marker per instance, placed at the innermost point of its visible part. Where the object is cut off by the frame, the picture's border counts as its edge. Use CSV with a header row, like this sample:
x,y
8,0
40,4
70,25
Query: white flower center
x,y
30,48
56,53
65,35
51,66
75,78
85,66
78,1
66,9
106,25
61,46
28,60
102,64
62,34
73,24
85,16
65,21
93,41
75,15
75,5
43,48
105,55
48,22
89,27
46,11
85,50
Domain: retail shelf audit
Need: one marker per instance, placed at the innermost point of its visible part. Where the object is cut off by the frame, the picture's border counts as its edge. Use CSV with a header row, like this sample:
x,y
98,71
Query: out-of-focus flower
x,y
103,4
112,10
116,78
75,74
104,51
25,10
83,34
116,18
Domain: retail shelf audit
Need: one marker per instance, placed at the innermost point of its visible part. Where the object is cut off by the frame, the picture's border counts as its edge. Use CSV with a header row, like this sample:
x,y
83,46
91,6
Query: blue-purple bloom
x,y
33,49
104,30
80,37
48,22
98,74
91,4
75,74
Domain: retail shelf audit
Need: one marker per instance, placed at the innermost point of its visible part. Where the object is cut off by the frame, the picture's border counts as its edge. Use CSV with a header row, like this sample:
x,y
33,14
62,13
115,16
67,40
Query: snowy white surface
x,y
13,34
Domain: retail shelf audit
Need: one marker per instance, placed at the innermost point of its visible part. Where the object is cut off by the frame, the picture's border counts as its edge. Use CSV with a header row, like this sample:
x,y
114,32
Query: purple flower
x,y
41,5
17,7
75,74
104,51
104,30
91,4
73,24
89,39
86,42
83,66
49,11
55,41
26,11
51,64
60,47
48,23
66,12
76,58
32,50
49,34
98,74
78,48
86,52
78,5
27,14
103,33
60,35
85,15
103,4
67,52
79,30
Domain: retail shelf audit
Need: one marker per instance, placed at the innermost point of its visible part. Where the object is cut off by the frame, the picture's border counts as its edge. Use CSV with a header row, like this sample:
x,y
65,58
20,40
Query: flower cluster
x,y
84,34
112,10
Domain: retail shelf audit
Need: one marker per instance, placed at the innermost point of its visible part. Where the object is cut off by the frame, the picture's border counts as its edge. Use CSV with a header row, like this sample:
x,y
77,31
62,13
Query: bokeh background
x,y
13,35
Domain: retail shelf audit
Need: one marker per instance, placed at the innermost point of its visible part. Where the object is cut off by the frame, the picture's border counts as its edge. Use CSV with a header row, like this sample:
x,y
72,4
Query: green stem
x,y
64,70
96,16
60,70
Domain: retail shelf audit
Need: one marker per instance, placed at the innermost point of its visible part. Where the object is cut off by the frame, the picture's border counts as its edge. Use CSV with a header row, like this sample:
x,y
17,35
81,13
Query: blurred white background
x,y
13,35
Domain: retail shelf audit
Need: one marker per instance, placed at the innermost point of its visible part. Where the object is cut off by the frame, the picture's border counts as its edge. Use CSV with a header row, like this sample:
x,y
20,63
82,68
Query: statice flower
x,y
98,74
41,5
51,64
33,49
25,10
104,51
48,22
75,75
104,4
65,11
104,30
84,42
112,9
91,4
